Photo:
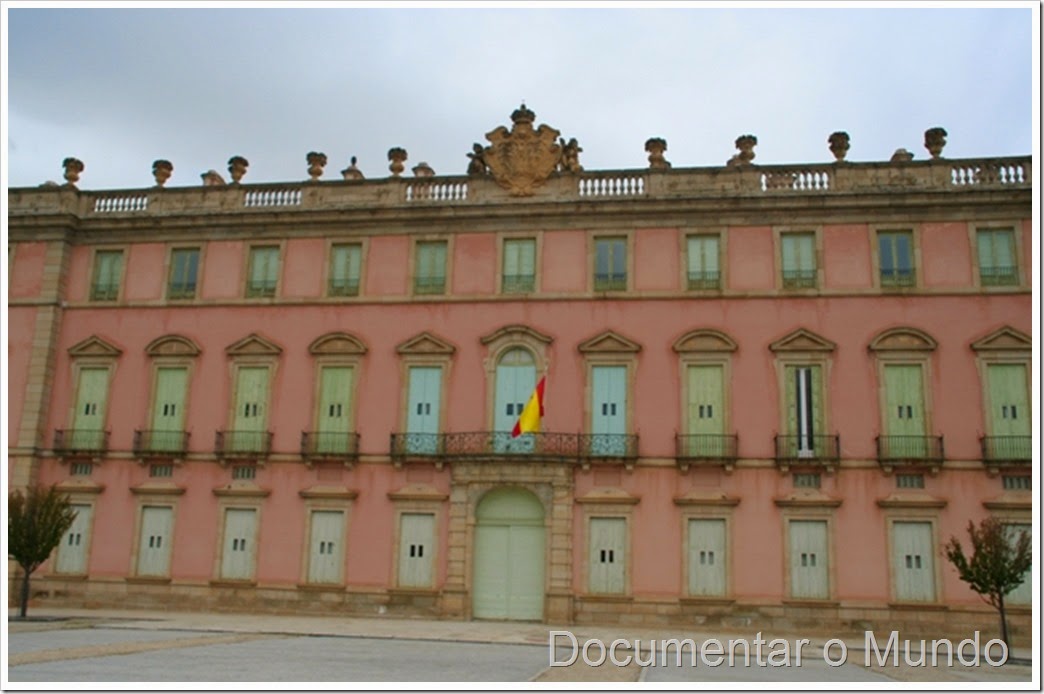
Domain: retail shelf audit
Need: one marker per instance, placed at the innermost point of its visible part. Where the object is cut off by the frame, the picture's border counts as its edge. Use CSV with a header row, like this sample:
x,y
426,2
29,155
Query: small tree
x,y
35,524
997,563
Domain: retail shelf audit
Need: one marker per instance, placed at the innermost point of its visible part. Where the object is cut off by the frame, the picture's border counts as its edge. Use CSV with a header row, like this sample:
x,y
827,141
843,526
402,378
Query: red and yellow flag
x,y
529,420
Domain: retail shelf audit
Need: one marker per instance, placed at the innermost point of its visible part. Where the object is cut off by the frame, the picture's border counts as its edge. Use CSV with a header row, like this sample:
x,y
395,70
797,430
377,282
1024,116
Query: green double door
x,y
509,557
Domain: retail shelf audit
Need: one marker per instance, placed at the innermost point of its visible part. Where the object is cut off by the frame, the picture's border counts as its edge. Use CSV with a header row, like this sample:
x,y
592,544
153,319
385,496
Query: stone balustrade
x,y
941,175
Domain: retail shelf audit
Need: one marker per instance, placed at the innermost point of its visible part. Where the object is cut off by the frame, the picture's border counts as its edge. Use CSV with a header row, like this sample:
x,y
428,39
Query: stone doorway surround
x,y
552,484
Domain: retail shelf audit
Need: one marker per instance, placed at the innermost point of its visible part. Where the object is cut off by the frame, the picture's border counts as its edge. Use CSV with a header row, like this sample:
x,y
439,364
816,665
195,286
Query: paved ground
x,y
139,646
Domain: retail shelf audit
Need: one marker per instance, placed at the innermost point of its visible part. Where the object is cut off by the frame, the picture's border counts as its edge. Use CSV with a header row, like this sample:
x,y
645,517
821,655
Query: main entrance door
x,y
509,560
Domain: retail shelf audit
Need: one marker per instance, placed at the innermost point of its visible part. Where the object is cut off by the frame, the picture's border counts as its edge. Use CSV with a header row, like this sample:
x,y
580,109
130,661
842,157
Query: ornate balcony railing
x,y
550,446
1007,450
156,443
518,284
94,442
818,450
893,451
896,277
610,282
706,450
242,444
429,285
799,279
330,445
998,275
706,279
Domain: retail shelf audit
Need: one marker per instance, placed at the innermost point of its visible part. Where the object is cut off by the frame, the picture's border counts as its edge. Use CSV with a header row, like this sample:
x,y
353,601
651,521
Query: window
x,y
82,469
895,255
168,410
610,265
75,545
184,270
608,549
422,415
703,272
244,472
155,539
429,276
88,425
997,266
804,410
326,546
809,559
807,480
909,481
913,562
239,546
706,557
161,470
249,433
345,267
1017,482
416,549
263,273
519,266
105,283
799,260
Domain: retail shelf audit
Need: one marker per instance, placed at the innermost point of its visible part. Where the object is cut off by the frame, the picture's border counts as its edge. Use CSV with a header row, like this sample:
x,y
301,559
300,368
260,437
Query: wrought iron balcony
x,y
87,442
500,445
343,287
608,448
261,289
998,275
160,444
898,277
799,279
327,445
518,284
894,451
819,450
484,444
242,444
706,450
1007,450
705,279
610,282
429,285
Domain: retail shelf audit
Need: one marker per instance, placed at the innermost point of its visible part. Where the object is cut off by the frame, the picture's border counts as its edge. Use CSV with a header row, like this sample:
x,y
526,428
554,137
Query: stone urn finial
x,y
397,156
839,144
237,168
934,141
422,170
316,162
162,170
901,156
352,173
745,144
656,146
73,168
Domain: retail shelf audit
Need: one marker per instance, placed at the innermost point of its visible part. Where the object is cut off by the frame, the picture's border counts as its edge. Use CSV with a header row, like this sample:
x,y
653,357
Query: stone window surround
x,y
421,500
1002,346
124,250
93,352
248,497
609,348
336,349
1015,226
502,341
903,345
170,351
323,498
424,349
415,241
152,496
168,268
593,237
803,347
252,350
797,511
706,509
914,229
80,493
778,231
913,511
364,247
684,234
705,347
248,264
538,242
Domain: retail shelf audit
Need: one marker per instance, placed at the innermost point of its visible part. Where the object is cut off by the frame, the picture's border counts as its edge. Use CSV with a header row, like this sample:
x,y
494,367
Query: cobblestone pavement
x,y
68,645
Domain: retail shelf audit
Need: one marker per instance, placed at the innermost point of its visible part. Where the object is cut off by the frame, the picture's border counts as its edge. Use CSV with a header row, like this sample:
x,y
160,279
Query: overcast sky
x,y
119,88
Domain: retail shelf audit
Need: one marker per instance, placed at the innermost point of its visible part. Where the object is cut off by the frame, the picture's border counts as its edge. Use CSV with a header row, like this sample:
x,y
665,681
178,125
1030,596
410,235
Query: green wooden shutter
x,y
913,561
237,557
89,418
334,416
515,382
809,559
250,420
106,284
904,410
608,546
155,541
184,268
789,253
326,547
168,409
416,549
1009,400
706,409
345,268
707,556
74,547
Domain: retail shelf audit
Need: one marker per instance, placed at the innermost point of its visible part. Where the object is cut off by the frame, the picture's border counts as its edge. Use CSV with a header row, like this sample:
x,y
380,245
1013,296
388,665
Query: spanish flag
x,y
529,420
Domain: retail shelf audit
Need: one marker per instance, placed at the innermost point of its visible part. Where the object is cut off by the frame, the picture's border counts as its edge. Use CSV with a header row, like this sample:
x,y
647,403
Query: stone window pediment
x,y
338,343
704,340
903,340
172,346
609,342
802,340
516,333
95,346
426,344
253,345
1006,339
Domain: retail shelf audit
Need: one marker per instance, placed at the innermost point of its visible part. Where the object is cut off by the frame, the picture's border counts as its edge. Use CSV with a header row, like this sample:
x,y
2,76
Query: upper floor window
x,y
610,264
997,266
345,269
895,254
105,282
704,272
429,276
263,273
519,266
798,252
184,271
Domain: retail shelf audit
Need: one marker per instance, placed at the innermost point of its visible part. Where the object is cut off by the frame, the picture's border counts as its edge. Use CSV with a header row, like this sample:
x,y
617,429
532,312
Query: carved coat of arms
x,y
521,160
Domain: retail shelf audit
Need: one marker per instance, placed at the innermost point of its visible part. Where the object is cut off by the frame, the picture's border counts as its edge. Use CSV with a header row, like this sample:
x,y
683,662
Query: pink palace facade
x,y
773,392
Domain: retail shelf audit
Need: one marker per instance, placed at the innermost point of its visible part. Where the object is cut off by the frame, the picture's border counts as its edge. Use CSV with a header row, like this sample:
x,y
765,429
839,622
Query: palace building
x,y
773,393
